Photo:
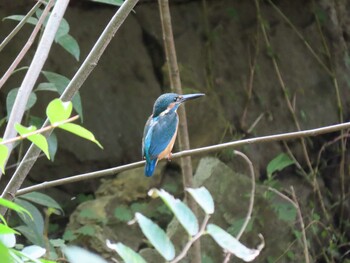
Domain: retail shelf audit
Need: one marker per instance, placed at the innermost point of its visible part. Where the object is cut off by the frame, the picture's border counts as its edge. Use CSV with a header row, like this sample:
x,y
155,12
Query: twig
x,y
20,24
183,138
192,240
251,201
34,70
27,45
72,88
41,130
198,151
302,225
283,86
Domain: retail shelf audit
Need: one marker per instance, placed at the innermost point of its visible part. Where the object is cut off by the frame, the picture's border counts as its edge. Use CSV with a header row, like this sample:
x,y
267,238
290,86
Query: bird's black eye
x,y
176,99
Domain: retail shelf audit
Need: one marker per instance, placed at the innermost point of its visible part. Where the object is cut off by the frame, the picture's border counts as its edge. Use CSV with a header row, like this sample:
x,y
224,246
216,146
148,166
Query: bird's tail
x,y
150,166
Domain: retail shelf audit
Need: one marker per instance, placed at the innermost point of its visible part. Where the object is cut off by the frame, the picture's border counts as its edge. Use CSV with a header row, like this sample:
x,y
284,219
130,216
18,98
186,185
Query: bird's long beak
x,y
191,96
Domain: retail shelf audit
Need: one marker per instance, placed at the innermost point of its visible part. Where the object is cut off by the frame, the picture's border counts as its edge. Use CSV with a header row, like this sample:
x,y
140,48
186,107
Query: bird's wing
x,y
145,131
160,134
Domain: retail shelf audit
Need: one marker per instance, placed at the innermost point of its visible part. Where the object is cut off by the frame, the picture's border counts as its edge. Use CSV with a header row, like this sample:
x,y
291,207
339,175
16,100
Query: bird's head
x,y
168,101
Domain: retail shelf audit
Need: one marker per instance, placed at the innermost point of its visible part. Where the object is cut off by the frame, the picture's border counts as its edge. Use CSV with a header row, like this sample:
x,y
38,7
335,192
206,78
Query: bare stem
x,y
174,76
20,25
302,225
251,201
192,240
27,45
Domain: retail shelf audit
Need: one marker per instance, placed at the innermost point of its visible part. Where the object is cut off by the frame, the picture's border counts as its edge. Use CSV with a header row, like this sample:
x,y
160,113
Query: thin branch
x,y
20,25
306,250
34,70
41,130
183,138
193,152
192,240
72,88
27,45
251,201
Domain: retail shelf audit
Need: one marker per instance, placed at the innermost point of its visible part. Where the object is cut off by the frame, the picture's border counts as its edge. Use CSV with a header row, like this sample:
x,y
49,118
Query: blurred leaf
x,y
38,139
41,199
57,242
86,230
156,236
9,240
5,254
53,145
31,235
285,211
30,20
127,254
182,212
79,255
80,131
4,229
280,162
3,157
237,225
61,82
11,97
18,208
63,28
110,2
231,244
70,45
69,235
34,251
46,86
36,225
123,213
203,198
58,111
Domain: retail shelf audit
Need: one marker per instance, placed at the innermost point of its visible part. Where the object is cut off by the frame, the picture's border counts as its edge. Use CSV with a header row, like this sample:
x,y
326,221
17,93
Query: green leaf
x,y
4,229
38,139
3,157
70,45
127,254
123,213
285,211
69,235
30,20
46,86
5,254
11,205
79,255
86,230
53,145
203,198
58,111
30,234
182,212
156,236
231,244
110,2
280,162
61,82
236,226
41,199
35,225
80,131
11,97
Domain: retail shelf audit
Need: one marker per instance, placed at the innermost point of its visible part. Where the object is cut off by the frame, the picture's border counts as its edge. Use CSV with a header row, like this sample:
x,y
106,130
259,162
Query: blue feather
x,y
150,166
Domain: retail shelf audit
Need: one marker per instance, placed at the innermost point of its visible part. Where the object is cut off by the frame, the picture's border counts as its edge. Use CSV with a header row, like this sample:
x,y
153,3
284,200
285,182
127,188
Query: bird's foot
x,y
169,157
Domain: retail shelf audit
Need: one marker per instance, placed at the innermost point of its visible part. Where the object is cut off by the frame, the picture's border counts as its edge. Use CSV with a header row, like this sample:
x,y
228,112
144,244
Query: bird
x,y
161,129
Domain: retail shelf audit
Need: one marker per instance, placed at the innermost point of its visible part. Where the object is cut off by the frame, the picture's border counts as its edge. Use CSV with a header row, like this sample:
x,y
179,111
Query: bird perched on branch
x,y
161,128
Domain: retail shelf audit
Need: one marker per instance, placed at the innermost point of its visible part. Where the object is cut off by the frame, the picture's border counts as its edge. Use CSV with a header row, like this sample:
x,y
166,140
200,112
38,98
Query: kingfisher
x,y
161,128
